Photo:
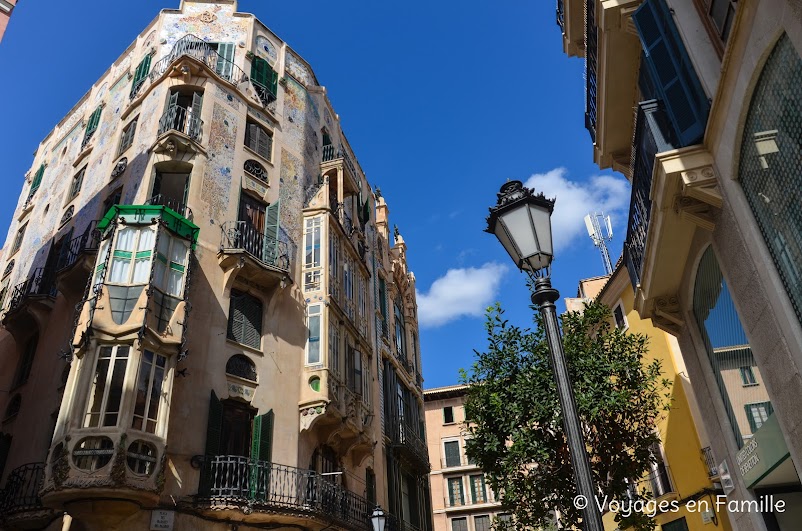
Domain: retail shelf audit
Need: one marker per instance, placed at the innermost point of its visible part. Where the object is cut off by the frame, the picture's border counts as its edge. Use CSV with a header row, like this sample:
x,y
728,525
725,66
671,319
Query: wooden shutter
x,y
5,448
271,233
452,453
264,76
264,143
37,179
141,72
214,426
676,82
225,59
245,319
94,120
195,121
262,439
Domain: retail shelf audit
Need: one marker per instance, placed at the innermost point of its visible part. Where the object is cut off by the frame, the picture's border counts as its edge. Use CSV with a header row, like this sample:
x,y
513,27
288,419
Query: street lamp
x,y
521,221
378,519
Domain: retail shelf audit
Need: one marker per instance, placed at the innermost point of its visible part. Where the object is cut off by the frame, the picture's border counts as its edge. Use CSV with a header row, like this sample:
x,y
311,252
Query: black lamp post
x,y
378,519
521,221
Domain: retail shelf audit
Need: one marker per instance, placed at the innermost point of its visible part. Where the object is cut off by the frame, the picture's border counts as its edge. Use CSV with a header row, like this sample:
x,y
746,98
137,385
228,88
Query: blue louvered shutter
x,y
675,80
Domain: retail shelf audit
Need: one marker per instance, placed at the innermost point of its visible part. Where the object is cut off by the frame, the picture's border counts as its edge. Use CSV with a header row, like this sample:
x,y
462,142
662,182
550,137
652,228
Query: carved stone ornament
x,y
207,17
119,168
667,315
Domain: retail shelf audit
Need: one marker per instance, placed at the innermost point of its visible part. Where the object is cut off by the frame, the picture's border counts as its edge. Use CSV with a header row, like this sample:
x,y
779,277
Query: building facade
x,y
206,320
698,103
6,8
461,499
684,472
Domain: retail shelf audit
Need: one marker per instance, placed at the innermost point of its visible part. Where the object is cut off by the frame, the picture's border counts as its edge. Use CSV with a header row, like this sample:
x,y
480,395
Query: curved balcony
x,y
20,504
408,442
253,255
199,50
31,301
253,491
76,260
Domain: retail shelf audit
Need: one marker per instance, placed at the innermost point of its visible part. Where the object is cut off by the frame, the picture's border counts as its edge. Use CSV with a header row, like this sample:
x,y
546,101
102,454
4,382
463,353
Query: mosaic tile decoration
x,y
217,177
266,50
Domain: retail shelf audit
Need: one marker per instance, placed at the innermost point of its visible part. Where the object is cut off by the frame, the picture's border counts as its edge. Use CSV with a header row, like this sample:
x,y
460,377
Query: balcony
x,y
75,262
31,301
171,203
84,244
199,50
591,43
257,257
258,491
182,120
407,440
20,503
561,14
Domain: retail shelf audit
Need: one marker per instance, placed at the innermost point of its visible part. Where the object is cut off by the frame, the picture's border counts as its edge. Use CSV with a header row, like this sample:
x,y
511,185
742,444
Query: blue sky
x,y
441,101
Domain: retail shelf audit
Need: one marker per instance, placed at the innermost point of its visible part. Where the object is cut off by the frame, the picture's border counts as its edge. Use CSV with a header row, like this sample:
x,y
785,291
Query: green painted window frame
x,y
750,408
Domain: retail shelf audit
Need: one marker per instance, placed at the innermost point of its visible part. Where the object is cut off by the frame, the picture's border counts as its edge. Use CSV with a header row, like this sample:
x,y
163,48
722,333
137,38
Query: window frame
x,y
18,239
313,311
259,331
170,265
625,326
445,417
135,255
445,454
313,253
455,480
127,136
149,391
752,408
76,185
748,378
253,144
109,382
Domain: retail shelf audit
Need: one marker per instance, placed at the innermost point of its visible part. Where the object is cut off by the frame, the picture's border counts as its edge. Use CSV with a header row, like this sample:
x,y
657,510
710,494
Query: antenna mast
x,y
600,231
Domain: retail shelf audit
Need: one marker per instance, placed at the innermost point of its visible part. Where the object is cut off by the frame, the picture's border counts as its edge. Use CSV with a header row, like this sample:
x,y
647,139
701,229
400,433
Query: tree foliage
x,y
516,432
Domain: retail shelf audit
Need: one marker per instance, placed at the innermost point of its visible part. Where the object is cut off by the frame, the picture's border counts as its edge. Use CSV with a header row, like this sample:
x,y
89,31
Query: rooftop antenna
x,y
600,231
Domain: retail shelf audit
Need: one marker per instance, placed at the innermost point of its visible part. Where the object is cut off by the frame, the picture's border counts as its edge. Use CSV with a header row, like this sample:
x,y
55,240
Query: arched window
x,y
26,361
254,168
771,163
737,375
240,365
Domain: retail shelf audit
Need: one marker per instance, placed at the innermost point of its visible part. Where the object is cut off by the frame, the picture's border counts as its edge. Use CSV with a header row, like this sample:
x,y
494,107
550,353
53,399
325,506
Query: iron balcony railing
x,y
710,462
88,242
41,282
393,523
407,437
181,119
561,14
649,141
22,489
267,486
244,236
332,153
171,203
385,329
192,46
590,68
266,94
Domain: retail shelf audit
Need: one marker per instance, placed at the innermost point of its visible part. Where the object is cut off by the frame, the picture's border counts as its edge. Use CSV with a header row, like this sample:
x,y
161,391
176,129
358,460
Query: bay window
x,y
130,261
170,265
313,342
312,254
152,368
105,397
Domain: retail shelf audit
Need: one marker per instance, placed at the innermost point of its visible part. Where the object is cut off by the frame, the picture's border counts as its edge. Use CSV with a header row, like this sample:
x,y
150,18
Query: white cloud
x,y
577,199
460,292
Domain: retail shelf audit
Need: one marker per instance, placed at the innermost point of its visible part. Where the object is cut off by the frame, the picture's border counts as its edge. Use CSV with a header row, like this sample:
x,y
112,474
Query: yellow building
x,y
685,474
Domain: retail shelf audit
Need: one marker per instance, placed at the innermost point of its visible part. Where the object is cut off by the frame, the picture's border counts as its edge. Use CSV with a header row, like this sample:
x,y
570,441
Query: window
x,y
354,370
92,125
75,186
140,75
748,376
481,523
141,458
459,524
770,169
127,138
255,169
105,396
452,453
334,348
676,525
93,453
671,71
312,254
334,265
245,319
658,477
130,260
400,332
370,486
620,318
264,79
241,366
478,489
172,254
757,414
225,59
722,15
36,182
183,113
448,415
455,494
114,198
18,239
26,362
259,140
152,368
313,343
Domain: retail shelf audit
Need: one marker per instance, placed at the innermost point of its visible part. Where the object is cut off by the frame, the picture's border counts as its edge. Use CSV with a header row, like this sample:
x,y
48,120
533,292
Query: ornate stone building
x,y
206,321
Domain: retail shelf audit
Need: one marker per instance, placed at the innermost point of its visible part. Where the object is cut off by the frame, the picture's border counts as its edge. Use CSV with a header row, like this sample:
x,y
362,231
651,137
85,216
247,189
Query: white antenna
x,y
594,223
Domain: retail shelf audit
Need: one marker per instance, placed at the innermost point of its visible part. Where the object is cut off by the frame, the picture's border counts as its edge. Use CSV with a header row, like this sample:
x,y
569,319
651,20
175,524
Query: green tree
x,y
516,430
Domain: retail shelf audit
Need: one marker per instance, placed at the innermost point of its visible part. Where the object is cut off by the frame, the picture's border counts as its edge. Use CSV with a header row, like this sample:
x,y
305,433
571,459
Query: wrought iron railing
x,y
192,46
394,523
171,203
332,153
87,242
385,329
22,489
267,486
406,436
181,119
561,14
649,140
41,282
243,235
710,462
590,67
266,94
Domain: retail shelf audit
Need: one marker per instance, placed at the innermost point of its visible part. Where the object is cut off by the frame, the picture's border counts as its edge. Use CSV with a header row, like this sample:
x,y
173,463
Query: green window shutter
x,y
37,180
271,232
92,124
264,76
452,453
225,59
245,319
214,426
262,442
195,123
672,72
5,448
140,74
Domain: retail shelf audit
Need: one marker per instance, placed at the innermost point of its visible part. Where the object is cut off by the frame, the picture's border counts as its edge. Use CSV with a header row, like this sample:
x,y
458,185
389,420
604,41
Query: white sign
x,y
162,520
